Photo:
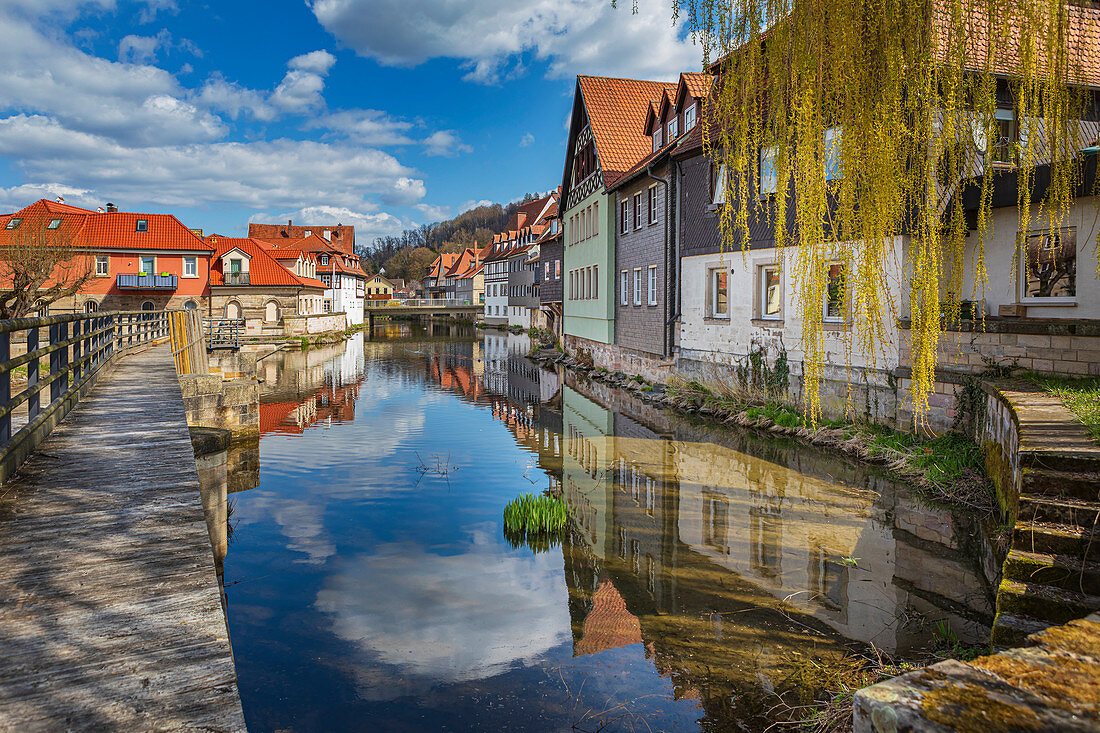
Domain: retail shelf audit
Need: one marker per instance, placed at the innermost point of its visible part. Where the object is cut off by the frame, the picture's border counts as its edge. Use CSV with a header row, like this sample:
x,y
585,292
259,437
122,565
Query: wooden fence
x,y
78,346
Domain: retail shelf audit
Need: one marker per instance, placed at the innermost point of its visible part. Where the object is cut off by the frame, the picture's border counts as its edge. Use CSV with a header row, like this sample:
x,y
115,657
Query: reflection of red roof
x,y
609,624
274,418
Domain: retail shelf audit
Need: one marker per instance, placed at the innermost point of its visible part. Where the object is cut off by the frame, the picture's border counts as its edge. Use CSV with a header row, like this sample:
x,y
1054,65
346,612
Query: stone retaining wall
x,y
232,405
321,323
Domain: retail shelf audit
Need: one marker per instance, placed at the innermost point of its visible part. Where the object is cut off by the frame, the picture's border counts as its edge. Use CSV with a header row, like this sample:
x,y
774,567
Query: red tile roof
x,y
115,230
263,269
697,84
318,245
343,235
616,110
441,264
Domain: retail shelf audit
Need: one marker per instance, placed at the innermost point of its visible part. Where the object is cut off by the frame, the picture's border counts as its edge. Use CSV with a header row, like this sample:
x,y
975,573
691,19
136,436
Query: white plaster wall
x,y
1000,253
519,316
725,341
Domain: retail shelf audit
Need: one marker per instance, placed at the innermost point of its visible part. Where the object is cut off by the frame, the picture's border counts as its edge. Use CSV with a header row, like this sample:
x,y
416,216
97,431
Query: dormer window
x,y
308,232
673,128
142,225
13,222
657,139
54,224
324,259
689,117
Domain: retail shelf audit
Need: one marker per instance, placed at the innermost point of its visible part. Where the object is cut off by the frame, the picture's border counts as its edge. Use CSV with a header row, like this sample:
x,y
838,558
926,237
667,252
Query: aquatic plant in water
x,y
535,520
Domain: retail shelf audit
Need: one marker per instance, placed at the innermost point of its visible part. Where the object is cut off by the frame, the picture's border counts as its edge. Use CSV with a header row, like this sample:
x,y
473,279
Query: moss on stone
x,y
968,708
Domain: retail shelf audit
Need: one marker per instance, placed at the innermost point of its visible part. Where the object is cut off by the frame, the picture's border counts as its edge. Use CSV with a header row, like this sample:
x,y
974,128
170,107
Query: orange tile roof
x,y
616,110
318,245
263,269
442,262
115,230
698,84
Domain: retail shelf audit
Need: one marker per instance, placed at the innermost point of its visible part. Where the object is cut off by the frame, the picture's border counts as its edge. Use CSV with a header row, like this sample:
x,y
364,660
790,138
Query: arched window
x,y
42,308
190,305
148,306
91,307
233,310
271,311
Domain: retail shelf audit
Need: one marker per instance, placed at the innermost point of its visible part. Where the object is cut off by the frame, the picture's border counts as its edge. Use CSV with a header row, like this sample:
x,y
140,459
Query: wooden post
x,y
77,370
5,389
55,363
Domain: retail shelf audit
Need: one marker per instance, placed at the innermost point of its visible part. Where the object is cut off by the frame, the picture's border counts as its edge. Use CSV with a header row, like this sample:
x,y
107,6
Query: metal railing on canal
x,y
77,346
223,333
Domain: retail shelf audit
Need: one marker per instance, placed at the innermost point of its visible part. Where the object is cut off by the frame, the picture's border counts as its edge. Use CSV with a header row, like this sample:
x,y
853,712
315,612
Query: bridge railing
x,y
419,303
223,333
74,349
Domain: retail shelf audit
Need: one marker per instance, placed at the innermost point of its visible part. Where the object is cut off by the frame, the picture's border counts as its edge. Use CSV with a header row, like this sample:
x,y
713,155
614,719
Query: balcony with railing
x,y
142,281
235,278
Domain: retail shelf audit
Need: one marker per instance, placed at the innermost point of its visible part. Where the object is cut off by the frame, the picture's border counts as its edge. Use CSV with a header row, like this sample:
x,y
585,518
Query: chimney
x,y
111,208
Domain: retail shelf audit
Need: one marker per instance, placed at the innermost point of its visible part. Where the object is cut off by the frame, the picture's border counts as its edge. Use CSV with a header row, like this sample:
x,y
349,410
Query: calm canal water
x,y
370,587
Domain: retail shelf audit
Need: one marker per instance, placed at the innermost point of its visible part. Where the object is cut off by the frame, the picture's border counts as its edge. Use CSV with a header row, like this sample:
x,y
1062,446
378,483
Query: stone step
x,y
1056,539
1049,482
1060,571
1070,460
1044,602
1058,510
1011,630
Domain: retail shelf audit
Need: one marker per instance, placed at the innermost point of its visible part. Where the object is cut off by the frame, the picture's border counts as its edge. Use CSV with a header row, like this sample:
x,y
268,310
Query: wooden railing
x,y
77,347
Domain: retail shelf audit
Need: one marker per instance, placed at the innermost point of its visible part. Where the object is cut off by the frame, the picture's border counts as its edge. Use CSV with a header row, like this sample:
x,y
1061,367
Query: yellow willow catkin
x,y
908,91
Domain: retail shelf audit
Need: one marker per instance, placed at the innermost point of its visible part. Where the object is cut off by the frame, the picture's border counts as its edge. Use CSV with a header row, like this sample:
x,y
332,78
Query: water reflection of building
x,y
735,553
305,387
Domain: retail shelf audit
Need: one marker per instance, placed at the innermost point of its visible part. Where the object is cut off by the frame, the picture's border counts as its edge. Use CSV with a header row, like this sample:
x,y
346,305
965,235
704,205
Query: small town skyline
x,y
161,106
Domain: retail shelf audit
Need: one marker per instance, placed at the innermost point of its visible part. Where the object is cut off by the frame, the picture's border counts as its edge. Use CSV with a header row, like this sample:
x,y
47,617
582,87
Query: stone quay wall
x,y
320,323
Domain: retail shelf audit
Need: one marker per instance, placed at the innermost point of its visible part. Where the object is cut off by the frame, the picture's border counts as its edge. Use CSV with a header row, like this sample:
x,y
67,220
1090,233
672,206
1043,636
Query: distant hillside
x,y
408,254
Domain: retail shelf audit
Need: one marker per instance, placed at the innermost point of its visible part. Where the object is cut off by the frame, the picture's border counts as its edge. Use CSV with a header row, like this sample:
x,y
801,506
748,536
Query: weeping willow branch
x,y
864,119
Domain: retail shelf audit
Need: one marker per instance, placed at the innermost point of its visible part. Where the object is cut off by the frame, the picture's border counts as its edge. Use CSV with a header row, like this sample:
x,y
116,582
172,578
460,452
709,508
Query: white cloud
x,y
16,197
364,126
234,100
149,13
463,616
126,102
473,204
300,90
434,213
575,36
283,173
527,140
141,49
445,143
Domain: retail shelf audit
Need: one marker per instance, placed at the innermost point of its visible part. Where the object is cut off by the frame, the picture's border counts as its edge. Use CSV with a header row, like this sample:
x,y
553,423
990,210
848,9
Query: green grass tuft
x,y
534,515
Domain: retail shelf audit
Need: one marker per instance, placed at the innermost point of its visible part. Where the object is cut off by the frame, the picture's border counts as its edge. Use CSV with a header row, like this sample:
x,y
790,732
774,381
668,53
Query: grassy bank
x,y
1080,396
946,469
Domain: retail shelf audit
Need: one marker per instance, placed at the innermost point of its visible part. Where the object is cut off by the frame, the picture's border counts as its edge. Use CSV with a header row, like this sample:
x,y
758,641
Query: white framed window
x,y
833,167
1048,267
771,293
657,142
718,183
769,181
689,117
637,211
595,281
190,267
595,218
719,293
624,216
651,284
101,266
832,304
557,269
673,128
572,284
142,225
54,224
652,203
624,295
637,286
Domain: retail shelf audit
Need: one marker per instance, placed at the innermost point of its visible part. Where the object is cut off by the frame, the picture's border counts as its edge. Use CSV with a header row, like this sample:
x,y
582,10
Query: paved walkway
x,y
110,614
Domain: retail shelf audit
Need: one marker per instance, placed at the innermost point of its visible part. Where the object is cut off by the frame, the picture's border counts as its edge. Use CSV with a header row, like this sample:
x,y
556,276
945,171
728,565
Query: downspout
x,y
668,273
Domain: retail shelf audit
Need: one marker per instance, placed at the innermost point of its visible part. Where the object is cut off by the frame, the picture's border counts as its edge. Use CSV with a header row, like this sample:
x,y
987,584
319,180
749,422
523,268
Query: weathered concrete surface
x,y
232,405
110,614
1051,686
1046,469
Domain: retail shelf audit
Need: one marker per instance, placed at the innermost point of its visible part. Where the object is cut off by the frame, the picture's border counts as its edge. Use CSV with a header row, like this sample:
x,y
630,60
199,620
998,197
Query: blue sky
x,y
378,113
